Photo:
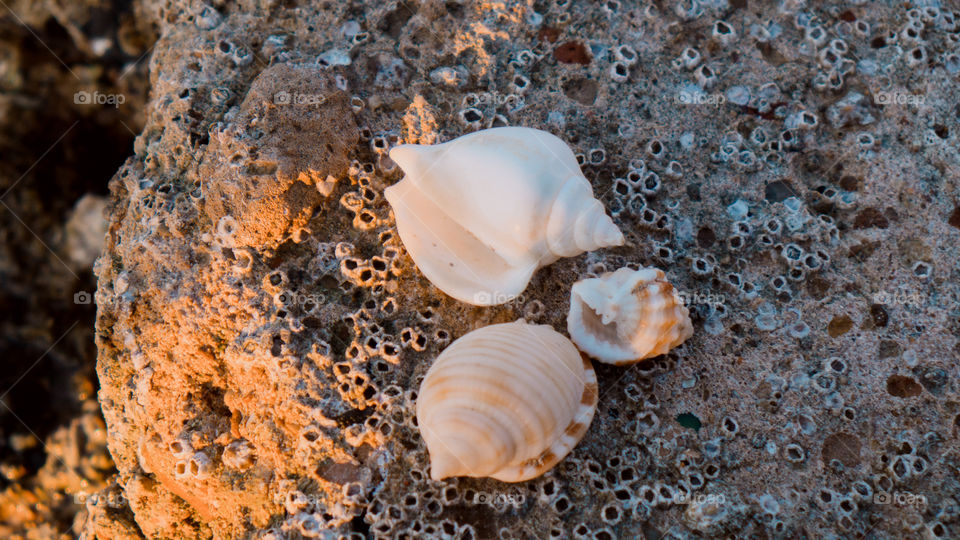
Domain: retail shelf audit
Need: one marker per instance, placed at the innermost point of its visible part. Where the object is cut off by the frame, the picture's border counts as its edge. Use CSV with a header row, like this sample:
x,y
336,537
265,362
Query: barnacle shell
x,y
506,401
481,213
625,316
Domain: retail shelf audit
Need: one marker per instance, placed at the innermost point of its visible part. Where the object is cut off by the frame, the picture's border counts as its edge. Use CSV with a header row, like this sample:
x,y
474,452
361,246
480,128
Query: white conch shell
x,y
481,213
506,401
625,316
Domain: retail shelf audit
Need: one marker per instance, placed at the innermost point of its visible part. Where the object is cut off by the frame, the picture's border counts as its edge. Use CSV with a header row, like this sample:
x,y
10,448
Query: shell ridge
x,y
534,401
476,353
572,434
454,454
544,365
569,369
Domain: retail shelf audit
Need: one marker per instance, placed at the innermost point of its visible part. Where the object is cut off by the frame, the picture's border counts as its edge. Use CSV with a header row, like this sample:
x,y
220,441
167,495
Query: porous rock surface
x,y
791,165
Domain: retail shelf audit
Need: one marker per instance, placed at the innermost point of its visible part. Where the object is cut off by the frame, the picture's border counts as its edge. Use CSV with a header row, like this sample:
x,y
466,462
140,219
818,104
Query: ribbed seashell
x,y
625,316
507,401
481,213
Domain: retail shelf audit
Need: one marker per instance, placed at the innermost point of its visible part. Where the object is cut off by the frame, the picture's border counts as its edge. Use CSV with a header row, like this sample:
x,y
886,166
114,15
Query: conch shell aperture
x,y
507,401
481,213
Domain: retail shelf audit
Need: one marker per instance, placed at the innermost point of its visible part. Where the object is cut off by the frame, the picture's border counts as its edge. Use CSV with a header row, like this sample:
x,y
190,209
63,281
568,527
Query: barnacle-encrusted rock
x,y
187,414
262,343
269,165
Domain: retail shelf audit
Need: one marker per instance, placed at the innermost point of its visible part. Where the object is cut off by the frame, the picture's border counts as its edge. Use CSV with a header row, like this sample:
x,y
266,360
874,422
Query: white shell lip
x,y
481,213
462,274
609,321
507,401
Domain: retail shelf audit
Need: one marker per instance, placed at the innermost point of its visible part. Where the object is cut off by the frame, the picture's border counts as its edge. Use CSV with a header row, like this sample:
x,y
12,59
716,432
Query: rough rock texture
x,y
283,158
791,166
206,349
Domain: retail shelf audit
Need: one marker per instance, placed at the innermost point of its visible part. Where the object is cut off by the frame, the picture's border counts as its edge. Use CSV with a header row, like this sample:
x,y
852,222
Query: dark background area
x,y
56,149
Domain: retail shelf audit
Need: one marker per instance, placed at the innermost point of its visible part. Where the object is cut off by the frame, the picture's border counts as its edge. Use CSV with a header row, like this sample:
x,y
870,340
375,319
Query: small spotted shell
x,y
507,401
626,316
